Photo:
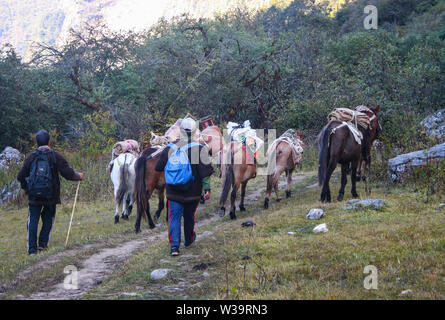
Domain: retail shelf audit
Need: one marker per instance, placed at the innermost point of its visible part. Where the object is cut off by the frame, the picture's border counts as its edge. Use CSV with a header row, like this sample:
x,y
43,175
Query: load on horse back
x,y
238,165
283,154
346,139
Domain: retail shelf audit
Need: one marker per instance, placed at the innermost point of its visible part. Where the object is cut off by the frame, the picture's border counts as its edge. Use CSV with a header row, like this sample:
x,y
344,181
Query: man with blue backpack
x,y
187,169
39,177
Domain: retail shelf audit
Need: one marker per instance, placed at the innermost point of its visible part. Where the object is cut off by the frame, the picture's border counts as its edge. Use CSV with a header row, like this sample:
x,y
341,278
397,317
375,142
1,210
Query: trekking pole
x,y
72,213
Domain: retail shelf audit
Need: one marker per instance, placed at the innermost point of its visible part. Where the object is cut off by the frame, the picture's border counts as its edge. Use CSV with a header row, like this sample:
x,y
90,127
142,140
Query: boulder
x,y
315,214
399,166
159,274
321,228
368,204
10,156
435,124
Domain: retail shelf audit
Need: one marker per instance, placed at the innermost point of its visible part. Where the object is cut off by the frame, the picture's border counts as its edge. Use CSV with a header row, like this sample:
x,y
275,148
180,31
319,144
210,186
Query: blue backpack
x,y
178,171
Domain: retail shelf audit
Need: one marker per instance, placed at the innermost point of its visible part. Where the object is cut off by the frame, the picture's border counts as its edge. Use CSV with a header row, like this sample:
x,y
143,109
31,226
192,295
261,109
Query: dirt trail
x,y
95,268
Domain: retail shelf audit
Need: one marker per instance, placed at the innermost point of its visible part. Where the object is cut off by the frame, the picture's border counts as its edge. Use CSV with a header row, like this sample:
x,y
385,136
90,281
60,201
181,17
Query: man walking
x,y
187,172
39,177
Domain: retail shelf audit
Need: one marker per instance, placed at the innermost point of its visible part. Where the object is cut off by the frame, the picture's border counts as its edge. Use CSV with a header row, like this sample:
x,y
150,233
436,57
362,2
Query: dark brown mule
x,y
284,162
237,169
147,180
339,147
375,129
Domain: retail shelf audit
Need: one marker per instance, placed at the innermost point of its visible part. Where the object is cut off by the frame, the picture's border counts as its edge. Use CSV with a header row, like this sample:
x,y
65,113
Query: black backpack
x,y
40,180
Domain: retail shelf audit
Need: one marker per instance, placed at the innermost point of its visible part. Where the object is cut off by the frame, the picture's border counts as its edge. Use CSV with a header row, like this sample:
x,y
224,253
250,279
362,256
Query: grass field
x,y
405,241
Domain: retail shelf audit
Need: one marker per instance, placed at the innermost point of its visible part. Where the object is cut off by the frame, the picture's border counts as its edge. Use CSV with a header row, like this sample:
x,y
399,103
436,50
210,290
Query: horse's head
x,y
375,127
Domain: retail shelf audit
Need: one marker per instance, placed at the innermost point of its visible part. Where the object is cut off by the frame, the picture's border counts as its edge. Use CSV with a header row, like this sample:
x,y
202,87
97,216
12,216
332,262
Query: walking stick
x,y
72,213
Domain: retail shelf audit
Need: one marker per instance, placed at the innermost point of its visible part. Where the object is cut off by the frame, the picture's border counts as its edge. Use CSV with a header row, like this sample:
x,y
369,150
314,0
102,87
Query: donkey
x,y
237,169
284,161
123,176
147,180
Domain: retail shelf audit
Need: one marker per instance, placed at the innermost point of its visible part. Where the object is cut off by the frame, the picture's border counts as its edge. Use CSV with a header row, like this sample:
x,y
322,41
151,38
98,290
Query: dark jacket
x,y
201,169
61,167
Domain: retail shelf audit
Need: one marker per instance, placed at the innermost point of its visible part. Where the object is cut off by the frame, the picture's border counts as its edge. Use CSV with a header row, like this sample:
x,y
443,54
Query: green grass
x,y
405,241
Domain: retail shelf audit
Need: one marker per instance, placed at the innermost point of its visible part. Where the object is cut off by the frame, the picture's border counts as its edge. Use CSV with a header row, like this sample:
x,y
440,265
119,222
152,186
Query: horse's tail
x,y
323,159
271,167
123,185
141,192
229,177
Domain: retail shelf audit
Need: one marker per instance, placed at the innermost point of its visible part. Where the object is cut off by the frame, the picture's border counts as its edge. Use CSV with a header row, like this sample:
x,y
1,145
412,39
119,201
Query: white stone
x,y
321,228
406,292
315,214
159,274
291,233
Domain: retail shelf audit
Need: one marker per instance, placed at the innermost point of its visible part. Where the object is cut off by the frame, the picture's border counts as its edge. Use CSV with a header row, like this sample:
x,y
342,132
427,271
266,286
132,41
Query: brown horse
x,y
285,161
338,145
147,180
237,169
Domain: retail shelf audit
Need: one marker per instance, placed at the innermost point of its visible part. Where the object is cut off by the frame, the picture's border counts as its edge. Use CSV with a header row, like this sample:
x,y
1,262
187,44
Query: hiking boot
x,y
42,248
193,240
174,251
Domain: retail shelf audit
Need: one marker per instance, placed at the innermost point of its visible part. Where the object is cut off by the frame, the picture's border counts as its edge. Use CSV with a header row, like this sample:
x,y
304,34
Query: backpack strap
x,y
173,146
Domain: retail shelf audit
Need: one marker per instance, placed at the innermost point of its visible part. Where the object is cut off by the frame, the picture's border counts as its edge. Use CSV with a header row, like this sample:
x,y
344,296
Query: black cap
x,y
42,138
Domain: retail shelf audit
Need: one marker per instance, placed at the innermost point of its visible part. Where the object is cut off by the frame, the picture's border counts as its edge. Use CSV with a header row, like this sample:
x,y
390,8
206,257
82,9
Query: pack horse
x,y
123,175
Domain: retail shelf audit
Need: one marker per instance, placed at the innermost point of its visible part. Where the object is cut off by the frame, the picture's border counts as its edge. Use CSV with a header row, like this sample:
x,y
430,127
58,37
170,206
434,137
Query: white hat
x,y
188,124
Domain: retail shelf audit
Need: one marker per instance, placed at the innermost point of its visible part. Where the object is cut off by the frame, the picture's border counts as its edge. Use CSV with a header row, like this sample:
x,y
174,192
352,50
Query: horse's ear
x,y
375,109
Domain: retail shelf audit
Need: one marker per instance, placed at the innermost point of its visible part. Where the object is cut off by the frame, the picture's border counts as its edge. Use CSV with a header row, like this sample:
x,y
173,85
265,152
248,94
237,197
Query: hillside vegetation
x,y
282,67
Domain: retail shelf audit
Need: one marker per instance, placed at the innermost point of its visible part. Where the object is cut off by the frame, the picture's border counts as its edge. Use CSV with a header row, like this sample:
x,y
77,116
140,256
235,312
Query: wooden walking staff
x,y
72,213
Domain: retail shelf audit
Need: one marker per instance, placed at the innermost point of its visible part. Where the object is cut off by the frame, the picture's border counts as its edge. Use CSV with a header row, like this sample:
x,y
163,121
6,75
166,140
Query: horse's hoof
x,y
232,215
242,208
137,229
125,217
222,212
116,219
340,197
288,193
266,203
151,226
354,195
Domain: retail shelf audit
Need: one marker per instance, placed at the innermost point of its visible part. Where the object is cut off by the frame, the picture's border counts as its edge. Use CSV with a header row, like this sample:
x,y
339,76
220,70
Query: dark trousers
x,y
47,213
176,210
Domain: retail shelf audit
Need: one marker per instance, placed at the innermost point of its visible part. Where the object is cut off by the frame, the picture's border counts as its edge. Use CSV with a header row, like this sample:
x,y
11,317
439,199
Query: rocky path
x,y
99,265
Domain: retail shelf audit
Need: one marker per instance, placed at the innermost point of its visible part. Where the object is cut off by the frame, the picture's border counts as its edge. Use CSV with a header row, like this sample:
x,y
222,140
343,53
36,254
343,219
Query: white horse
x,y
123,176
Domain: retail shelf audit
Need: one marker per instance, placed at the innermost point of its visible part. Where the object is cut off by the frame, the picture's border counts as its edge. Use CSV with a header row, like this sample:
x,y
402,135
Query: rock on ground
x,y
399,166
369,204
321,228
435,124
315,214
159,274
